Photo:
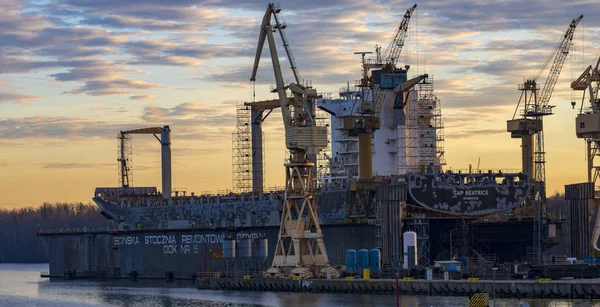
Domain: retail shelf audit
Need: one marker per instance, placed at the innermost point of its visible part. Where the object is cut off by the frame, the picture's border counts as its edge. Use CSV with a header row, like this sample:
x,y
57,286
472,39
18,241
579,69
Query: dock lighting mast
x,y
165,142
588,120
534,107
300,247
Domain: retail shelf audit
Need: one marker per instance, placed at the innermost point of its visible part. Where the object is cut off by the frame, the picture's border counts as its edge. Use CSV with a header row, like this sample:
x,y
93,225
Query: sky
x,y
75,72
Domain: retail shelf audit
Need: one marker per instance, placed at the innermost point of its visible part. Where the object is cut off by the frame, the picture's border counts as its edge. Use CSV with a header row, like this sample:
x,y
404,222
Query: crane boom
x,y
394,50
395,47
151,130
288,51
559,61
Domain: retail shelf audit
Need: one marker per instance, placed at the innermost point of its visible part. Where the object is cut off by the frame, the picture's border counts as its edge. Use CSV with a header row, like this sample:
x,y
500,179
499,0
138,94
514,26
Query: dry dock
x,y
570,289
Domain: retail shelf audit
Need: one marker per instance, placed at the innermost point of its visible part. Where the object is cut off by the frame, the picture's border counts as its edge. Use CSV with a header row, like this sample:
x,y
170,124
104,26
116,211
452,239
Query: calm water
x,y
21,285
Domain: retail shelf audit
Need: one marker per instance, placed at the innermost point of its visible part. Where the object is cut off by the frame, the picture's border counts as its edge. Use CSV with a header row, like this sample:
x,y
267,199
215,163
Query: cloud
x,y
473,133
113,87
142,97
75,165
191,120
17,97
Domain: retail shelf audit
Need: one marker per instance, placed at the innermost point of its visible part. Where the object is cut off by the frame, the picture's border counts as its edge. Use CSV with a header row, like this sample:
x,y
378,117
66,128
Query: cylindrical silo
x,y
245,248
375,260
351,260
261,248
228,248
409,242
363,259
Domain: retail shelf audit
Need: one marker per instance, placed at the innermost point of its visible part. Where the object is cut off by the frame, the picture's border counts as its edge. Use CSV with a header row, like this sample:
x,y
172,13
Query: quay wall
x,y
579,289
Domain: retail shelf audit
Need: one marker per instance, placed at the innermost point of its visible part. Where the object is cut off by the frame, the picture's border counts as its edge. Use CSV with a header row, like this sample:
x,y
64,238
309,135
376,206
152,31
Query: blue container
x,y
351,260
363,259
375,260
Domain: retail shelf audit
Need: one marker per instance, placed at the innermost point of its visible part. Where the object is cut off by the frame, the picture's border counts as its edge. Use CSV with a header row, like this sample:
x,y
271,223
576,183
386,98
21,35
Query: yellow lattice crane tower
x,y
300,250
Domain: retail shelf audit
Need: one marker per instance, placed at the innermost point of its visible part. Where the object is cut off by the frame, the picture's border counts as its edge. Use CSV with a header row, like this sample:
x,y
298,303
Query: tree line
x,y
18,228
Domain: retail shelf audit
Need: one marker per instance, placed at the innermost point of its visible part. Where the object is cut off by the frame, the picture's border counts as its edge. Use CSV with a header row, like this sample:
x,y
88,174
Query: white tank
x,y
409,242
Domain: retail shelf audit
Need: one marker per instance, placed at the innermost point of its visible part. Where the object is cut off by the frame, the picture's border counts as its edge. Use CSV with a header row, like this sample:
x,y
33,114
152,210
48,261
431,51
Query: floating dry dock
x,y
570,289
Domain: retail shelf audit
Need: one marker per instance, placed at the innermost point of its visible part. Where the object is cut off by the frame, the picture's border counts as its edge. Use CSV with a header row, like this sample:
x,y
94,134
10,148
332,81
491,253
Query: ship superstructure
x,y
410,140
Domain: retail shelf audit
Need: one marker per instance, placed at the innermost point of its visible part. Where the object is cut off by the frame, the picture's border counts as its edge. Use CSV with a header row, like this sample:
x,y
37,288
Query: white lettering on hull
x,y
187,243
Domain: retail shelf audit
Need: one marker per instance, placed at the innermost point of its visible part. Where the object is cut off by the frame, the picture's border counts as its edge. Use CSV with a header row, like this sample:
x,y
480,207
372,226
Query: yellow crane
x,y
378,79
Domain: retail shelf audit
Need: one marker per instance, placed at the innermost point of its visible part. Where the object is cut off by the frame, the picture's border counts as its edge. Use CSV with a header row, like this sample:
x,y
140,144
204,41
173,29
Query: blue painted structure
x,y
351,260
375,260
363,259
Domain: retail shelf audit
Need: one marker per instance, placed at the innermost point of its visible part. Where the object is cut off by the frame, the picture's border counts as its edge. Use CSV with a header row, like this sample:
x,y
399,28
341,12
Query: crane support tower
x,y
300,250
257,117
588,128
588,120
165,142
529,128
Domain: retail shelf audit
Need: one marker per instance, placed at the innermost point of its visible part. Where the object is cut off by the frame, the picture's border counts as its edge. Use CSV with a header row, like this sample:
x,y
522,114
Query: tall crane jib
x,y
300,250
528,126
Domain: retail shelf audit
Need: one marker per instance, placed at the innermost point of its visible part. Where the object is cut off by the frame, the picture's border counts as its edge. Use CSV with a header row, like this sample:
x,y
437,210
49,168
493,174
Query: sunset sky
x,y
75,72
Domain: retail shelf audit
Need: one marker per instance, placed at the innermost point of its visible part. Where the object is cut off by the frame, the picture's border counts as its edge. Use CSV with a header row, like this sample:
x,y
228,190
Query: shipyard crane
x,y
588,128
378,78
124,155
588,120
300,250
534,107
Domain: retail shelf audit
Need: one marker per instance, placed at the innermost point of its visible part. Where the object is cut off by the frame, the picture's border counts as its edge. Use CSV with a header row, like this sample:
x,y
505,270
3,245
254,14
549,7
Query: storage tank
x,y
375,260
245,248
363,259
228,248
261,248
351,260
409,243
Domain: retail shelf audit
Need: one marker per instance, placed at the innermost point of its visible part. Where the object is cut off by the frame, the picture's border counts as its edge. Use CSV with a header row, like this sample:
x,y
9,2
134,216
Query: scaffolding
x,y
242,150
431,129
323,119
125,159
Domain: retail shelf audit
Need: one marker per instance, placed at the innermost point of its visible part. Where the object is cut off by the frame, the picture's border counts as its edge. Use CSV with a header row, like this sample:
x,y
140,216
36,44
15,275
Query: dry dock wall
x,y
152,254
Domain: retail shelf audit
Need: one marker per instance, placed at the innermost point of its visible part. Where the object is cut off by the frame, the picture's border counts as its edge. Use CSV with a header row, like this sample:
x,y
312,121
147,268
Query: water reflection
x,y
20,285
